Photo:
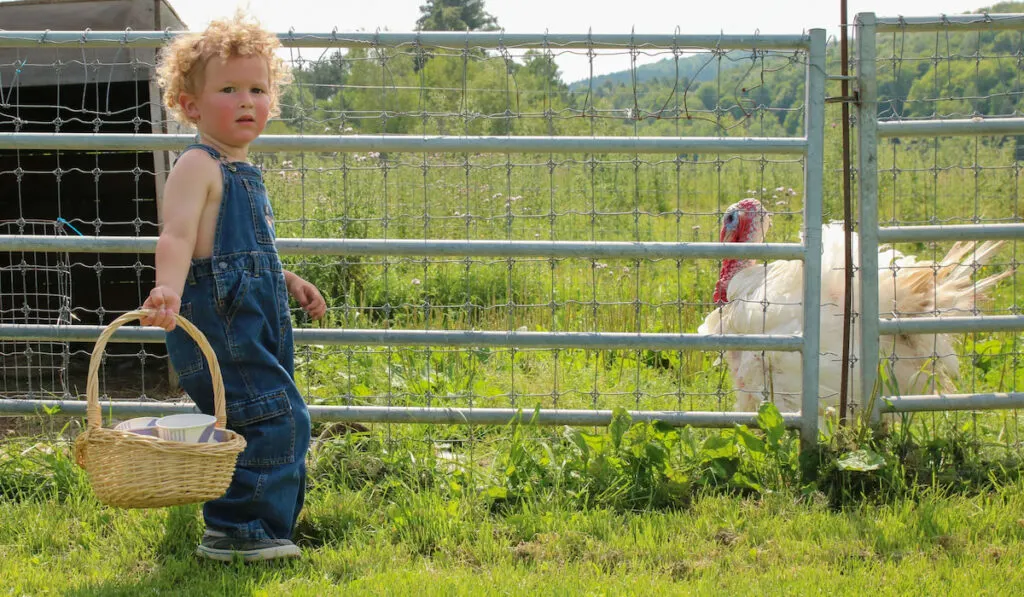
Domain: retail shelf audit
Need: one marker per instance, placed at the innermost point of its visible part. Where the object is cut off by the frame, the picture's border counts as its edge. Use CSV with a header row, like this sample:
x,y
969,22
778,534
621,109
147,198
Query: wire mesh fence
x,y
730,88
949,101
547,197
37,290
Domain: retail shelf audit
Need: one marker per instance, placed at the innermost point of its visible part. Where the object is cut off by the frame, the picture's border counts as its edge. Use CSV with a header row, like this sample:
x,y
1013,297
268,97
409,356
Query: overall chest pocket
x,y
259,207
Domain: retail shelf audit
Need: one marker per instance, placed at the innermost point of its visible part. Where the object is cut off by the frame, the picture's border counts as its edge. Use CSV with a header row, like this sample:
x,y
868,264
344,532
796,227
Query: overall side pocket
x,y
235,286
182,350
266,423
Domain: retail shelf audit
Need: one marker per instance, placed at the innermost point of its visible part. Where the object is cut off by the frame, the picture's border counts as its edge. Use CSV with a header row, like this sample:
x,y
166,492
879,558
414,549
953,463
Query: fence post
x,y
867,193
814,128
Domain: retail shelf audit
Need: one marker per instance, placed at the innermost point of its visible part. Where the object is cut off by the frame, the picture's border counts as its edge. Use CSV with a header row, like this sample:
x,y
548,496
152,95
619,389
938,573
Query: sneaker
x,y
216,546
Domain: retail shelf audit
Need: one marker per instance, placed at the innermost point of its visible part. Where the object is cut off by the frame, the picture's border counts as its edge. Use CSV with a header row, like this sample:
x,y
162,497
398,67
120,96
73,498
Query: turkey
x,y
757,298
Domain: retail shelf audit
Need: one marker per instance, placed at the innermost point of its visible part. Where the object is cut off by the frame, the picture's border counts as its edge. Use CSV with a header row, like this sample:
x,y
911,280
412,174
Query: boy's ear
x,y
188,105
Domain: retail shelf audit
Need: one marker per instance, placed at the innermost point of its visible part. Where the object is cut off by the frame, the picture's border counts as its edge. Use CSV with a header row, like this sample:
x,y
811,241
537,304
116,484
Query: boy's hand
x,y
165,303
307,295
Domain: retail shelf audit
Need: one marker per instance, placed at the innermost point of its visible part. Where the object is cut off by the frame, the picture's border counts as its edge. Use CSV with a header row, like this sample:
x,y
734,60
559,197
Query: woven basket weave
x,y
128,470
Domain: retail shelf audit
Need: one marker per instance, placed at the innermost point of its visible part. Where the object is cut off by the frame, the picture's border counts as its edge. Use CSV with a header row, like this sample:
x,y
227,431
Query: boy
x,y
217,265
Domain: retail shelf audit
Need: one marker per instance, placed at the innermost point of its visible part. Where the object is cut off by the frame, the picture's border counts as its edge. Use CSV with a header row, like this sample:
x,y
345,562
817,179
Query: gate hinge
x,y
839,99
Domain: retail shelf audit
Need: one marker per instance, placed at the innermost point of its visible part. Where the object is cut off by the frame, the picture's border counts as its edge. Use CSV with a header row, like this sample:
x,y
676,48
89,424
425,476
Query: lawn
x,y
355,544
633,509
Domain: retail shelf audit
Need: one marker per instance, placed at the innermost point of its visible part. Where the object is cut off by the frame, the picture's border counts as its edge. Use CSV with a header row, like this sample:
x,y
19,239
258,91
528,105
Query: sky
x,y
574,16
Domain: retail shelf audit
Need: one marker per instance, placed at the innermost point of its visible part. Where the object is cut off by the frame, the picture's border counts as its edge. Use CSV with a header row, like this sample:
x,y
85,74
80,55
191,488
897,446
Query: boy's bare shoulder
x,y
198,167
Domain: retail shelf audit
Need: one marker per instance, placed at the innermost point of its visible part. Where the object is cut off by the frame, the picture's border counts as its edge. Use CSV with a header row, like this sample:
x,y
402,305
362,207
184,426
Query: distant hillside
x,y
690,67
954,88
695,68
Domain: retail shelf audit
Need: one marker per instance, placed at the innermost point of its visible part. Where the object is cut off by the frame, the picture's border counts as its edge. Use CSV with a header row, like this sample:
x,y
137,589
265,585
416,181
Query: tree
x,y
324,76
455,15
543,70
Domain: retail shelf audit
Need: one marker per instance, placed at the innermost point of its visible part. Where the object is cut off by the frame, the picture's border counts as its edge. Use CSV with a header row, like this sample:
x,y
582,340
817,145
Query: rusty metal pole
x,y
847,215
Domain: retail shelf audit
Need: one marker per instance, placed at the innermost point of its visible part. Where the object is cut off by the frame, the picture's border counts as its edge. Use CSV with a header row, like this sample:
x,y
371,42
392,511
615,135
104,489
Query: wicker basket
x,y
128,470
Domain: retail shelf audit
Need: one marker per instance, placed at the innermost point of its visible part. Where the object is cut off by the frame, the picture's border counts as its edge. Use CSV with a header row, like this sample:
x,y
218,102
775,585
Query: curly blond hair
x,y
183,61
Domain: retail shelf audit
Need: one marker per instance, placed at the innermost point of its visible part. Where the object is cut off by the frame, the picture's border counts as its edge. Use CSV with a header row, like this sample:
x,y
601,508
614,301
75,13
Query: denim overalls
x,y
237,297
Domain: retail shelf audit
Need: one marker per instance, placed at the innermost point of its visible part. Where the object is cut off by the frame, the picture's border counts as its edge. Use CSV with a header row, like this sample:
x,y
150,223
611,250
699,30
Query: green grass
x,y
634,509
358,543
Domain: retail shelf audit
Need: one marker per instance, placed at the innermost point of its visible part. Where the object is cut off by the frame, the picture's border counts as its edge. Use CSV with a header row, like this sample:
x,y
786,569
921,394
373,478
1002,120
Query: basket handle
x,y
93,412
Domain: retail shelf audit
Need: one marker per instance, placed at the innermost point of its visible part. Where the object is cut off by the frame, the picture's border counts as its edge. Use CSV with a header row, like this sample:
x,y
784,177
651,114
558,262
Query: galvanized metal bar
x,y
951,325
415,143
411,414
942,128
432,248
867,221
370,337
814,125
951,23
444,39
919,234
78,244
926,403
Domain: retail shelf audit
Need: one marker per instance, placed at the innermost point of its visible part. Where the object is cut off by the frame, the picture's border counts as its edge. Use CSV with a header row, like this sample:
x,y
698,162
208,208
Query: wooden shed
x,y
65,89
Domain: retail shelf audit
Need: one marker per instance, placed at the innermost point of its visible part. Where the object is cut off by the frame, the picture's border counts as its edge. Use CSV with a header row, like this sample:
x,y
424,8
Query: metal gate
x,y
809,147
956,114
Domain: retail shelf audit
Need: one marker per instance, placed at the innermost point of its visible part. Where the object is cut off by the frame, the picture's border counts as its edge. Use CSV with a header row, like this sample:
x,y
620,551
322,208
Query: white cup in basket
x,y
193,428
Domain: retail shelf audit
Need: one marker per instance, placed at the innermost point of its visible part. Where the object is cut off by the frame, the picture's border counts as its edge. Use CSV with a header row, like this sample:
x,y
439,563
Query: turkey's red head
x,y
745,221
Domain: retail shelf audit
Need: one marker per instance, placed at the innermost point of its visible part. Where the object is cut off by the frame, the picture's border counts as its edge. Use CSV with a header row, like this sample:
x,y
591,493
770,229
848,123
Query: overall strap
x,y
212,152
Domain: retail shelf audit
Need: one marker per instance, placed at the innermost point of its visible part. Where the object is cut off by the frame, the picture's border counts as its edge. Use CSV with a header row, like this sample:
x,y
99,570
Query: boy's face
x,y
234,104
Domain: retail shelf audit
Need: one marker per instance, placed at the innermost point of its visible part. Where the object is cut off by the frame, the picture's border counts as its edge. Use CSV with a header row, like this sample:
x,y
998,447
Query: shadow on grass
x,y
178,571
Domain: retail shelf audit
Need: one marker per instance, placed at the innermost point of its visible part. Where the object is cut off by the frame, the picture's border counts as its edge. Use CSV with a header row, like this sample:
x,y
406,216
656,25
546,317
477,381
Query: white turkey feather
x,y
767,299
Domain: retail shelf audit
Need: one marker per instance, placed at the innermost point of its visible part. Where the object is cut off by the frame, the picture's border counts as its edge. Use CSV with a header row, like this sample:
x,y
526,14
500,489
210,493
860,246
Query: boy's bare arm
x,y
306,294
185,195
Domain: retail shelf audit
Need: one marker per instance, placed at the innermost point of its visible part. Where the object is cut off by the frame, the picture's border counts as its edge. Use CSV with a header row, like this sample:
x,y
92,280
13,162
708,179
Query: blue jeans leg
x,y
263,403
267,490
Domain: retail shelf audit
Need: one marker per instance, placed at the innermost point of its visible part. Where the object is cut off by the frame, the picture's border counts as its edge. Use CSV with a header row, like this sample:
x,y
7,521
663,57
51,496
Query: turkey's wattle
x,y
745,221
